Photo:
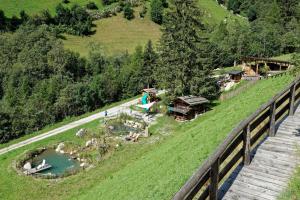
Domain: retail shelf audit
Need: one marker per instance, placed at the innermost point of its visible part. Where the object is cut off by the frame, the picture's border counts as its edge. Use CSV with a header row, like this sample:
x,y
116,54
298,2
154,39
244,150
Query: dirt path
x,y
111,112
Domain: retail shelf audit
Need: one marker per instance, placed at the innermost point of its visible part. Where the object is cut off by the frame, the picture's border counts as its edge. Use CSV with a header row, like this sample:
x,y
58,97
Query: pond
x,y
61,163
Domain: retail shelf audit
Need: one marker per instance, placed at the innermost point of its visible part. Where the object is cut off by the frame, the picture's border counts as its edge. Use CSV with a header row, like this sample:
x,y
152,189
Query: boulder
x,y
111,127
81,133
147,134
27,166
60,147
88,143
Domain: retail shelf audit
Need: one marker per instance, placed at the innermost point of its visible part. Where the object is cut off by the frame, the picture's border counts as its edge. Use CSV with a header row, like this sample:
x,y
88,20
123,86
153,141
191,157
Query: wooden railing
x,y
237,147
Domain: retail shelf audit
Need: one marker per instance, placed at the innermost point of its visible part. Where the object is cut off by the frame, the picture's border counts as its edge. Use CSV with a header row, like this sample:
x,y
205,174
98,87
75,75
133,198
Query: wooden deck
x,y
273,163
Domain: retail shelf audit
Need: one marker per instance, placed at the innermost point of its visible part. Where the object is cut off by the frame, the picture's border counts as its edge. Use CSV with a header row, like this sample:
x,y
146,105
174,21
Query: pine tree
x,y
149,63
157,11
185,66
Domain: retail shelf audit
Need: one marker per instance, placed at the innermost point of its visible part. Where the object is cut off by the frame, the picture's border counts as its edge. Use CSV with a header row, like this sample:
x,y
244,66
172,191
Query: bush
x,y
91,6
65,1
157,11
128,12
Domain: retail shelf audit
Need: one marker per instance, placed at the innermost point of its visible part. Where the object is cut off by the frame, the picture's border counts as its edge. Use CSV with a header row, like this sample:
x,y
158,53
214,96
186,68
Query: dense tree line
x,y
74,20
273,29
41,83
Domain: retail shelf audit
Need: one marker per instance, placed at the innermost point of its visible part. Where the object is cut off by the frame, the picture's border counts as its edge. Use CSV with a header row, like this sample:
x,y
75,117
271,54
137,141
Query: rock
x,y
62,151
81,133
27,166
88,143
111,127
83,165
60,147
147,134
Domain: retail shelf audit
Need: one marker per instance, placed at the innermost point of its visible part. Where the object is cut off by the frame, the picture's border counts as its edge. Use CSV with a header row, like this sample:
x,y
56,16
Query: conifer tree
x,y
185,66
149,63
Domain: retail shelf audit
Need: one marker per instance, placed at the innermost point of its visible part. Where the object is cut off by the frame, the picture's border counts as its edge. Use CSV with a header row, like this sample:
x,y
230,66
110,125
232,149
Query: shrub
x,y
128,12
91,6
157,11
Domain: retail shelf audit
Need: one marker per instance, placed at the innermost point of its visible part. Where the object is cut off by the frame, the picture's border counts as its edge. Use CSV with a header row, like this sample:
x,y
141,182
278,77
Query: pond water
x,y
61,163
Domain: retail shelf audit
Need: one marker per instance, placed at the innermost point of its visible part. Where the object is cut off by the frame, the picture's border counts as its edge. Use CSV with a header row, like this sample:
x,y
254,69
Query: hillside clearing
x,y
31,7
116,35
153,171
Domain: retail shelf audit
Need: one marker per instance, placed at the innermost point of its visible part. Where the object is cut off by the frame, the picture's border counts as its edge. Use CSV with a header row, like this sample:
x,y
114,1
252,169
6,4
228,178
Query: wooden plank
x,y
269,170
231,148
259,120
272,120
247,145
282,112
254,190
198,186
258,184
214,180
237,195
271,155
230,164
266,174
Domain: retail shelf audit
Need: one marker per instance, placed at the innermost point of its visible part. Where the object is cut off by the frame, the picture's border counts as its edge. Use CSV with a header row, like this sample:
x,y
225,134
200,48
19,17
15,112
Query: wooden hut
x,y
236,75
152,93
187,107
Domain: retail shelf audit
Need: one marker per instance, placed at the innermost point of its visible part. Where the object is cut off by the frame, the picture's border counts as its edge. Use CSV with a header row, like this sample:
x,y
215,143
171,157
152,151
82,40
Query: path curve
x,y
111,112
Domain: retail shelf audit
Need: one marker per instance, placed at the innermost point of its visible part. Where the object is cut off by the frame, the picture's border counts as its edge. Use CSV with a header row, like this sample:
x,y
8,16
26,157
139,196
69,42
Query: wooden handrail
x,y
211,170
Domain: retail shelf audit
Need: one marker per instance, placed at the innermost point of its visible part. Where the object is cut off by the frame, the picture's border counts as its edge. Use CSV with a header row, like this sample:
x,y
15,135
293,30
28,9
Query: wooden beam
x,y
272,119
292,100
214,180
246,145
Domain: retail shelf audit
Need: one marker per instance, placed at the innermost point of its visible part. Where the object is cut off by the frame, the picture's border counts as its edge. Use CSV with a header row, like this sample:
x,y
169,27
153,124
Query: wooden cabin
x,y
187,107
152,93
236,75
253,65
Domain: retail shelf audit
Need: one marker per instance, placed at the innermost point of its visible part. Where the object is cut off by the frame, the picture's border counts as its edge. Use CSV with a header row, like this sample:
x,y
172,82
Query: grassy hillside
x,y
116,34
214,13
152,169
13,7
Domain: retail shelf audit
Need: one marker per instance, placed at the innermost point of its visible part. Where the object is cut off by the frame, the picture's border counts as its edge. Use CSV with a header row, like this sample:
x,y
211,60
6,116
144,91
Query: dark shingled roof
x,y
235,72
193,100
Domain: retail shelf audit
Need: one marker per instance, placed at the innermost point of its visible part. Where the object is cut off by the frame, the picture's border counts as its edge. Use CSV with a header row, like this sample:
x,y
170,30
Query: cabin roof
x,y
150,90
193,100
259,59
235,72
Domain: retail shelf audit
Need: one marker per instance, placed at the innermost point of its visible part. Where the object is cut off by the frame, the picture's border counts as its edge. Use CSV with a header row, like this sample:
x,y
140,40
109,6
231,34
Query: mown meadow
x,y
151,169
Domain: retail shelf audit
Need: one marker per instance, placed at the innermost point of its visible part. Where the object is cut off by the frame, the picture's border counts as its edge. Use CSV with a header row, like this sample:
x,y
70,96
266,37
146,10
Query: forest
x,y
42,83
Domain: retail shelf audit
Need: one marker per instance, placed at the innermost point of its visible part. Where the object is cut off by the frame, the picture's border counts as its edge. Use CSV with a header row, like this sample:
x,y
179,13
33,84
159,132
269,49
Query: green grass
x,y
64,122
214,13
149,169
116,35
293,190
31,7
284,57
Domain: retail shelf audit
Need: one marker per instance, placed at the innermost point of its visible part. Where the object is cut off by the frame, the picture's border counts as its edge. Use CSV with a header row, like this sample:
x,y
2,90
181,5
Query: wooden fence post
x,y
292,100
214,180
272,119
246,145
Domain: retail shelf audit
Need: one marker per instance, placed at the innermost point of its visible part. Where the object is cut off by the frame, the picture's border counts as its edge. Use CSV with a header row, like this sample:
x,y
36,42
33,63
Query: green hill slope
x,y
115,34
13,7
146,170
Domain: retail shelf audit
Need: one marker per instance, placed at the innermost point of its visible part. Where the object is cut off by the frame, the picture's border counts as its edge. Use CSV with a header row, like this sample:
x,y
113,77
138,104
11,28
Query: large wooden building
x,y
187,107
253,65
